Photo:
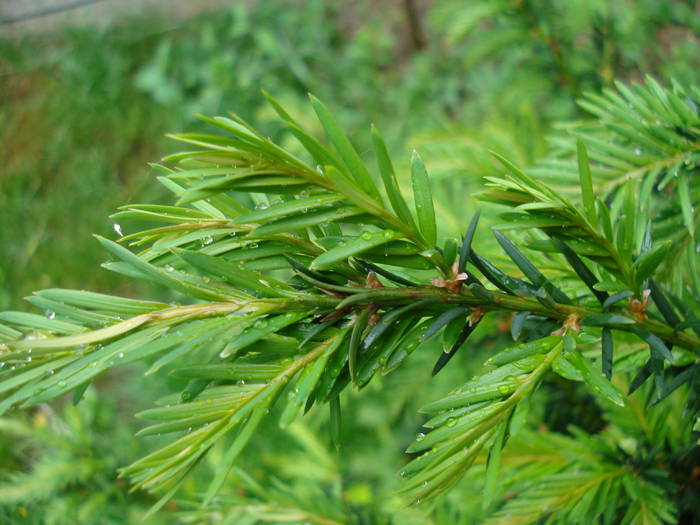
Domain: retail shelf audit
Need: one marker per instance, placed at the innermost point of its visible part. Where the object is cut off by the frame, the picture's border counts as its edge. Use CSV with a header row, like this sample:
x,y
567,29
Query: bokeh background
x,y
88,90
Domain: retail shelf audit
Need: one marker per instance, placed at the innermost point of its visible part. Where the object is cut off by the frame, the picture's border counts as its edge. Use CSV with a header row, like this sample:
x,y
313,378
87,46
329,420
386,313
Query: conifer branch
x,y
296,283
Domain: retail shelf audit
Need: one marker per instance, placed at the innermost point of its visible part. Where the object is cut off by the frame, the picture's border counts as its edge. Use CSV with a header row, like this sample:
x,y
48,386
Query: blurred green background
x,y
85,107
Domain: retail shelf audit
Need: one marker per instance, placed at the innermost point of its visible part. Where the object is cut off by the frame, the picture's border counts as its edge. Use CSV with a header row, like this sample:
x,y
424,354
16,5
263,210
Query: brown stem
x,y
416,33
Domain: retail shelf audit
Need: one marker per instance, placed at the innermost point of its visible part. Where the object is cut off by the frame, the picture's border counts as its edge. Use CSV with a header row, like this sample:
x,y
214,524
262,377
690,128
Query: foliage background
x,y
82,111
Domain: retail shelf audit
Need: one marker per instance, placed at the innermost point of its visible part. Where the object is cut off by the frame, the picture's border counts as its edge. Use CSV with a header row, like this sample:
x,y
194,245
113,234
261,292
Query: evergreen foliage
x,y
73,458
296,274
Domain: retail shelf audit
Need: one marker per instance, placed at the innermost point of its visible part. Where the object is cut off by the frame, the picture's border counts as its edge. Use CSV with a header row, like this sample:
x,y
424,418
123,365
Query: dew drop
x,y
118,229
420,436
29,359
638,151
206,240
120,355
451,422
169,267
503,389
366,236
62,383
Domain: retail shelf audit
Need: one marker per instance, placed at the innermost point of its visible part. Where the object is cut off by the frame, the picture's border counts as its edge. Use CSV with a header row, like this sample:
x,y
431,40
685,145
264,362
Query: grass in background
x,y
76,137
